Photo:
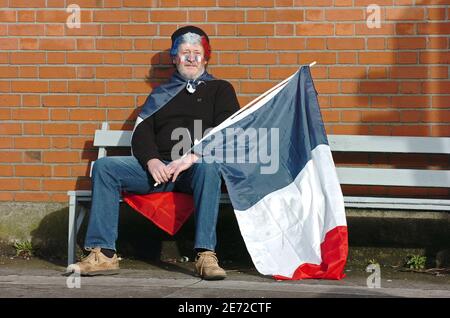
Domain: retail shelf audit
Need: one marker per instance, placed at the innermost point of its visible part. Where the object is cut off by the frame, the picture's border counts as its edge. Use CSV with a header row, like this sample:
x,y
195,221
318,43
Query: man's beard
x,y
190,76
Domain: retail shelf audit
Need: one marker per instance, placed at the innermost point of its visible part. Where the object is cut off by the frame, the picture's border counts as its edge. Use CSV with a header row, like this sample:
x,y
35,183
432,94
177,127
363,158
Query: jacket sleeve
x,y
226,103
143,142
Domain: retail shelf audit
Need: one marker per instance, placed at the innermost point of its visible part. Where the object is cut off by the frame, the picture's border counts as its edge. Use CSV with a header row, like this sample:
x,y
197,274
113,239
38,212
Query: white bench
x,y
106,138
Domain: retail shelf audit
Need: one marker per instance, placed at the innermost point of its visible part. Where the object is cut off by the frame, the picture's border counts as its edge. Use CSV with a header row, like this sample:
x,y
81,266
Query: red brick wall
x,y
58,84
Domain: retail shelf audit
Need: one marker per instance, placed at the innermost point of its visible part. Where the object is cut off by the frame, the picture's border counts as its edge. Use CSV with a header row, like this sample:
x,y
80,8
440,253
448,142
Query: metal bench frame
x,y
106,138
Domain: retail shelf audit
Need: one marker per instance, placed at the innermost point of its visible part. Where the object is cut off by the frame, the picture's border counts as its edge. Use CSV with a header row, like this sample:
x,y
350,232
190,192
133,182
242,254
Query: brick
x,y
32,196
56,72
61,156
436,87
257,58
55,16
112,16
58,184
286,44
385,29
349,101
327,87
119,44
434,57
379,87
113,72
168,16
345,29
60,143
33,171
6,171
347,44
411,101
441,101
91,114
281,72
84,58
28,58
351,116
376,58
26,29
255,86
409,72
408,43
60,129
30,114
344,15
10,129
320,57
405,14
57,44
32,128
255,29
280,15
225,16
97,87
312,29
59,100
347,57
434,28
10,184
437,116
315,44
10,156
380,116
31,184
26,16
9,44
314,15
347,72
255,16
31,142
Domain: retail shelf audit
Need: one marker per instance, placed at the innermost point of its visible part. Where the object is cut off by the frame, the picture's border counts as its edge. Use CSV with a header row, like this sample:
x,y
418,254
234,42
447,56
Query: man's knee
x,y
103,165
209,169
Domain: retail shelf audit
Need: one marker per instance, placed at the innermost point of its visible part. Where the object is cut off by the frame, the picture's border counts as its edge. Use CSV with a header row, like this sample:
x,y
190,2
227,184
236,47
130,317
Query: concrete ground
x,y
21,278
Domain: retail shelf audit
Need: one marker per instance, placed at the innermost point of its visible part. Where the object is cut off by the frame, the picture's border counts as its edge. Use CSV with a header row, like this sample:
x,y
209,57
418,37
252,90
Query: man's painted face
x,y
190,60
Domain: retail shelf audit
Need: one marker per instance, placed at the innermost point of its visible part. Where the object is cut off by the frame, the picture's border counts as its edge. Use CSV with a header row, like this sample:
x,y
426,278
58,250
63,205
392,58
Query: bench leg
x,y
76,216
72,231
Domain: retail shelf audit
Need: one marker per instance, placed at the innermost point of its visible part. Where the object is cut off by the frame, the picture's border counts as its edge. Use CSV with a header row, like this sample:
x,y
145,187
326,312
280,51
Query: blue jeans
x,y
112,175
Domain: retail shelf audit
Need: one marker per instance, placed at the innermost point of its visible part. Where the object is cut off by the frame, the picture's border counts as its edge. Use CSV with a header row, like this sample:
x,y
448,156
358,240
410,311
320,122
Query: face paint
x,y
189,58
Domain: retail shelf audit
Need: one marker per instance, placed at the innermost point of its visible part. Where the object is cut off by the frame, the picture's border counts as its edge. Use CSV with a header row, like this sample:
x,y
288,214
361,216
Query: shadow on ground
x,y
140,239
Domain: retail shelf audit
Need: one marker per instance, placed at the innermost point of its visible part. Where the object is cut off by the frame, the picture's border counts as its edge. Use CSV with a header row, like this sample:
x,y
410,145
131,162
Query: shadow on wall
x,y
395,100
139,238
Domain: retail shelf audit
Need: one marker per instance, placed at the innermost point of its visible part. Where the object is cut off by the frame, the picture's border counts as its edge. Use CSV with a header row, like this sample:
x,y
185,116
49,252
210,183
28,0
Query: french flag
x,y
291,214
290,209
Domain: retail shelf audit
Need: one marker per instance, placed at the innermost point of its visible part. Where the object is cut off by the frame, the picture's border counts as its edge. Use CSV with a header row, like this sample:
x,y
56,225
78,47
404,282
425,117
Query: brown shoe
x,y
207,266
96,263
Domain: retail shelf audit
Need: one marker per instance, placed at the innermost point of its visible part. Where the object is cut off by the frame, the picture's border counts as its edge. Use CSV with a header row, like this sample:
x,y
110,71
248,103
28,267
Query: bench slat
x,y
395,144
394,177
112,138
352,143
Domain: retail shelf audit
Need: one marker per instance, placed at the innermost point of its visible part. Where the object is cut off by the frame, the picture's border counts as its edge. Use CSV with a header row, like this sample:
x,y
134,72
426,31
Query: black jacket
x,y
212,103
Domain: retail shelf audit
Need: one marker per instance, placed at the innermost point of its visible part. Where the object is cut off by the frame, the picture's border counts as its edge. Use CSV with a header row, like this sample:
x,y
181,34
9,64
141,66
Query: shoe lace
x,y
206,258
94,253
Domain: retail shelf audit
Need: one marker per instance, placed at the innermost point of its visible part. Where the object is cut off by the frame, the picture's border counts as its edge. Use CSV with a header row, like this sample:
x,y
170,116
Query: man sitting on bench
x,y
190,95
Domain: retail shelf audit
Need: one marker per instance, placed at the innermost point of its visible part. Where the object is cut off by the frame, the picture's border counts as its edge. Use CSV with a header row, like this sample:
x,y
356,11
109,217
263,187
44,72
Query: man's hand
x,y
158,170
179,165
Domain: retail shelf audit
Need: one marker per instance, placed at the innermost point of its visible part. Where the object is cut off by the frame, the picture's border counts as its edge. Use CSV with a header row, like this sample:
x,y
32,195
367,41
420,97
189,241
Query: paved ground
x,y
38,278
